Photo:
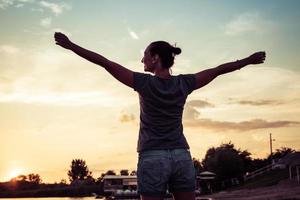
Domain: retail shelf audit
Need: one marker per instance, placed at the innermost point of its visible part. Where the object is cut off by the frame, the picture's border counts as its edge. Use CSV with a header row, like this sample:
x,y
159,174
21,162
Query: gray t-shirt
x,y
161,106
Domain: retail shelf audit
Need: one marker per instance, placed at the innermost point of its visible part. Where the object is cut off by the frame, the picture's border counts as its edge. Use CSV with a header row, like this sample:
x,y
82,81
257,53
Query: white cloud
x,y
6,3
182,65
47,32
26,1
46,22
9,49
133,34
247,22
53,76
69,34
66,99
37,9
19,3
258,137
57,9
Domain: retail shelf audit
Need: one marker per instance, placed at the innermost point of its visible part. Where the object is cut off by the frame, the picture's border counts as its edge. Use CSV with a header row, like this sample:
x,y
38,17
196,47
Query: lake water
x,y
51,198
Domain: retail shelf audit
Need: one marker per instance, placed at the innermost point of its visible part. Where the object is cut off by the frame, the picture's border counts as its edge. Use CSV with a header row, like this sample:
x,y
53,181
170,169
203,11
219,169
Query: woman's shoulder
x,y
184,77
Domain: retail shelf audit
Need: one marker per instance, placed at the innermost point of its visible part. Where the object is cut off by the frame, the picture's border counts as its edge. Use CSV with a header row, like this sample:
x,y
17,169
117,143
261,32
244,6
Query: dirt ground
x,y
284,190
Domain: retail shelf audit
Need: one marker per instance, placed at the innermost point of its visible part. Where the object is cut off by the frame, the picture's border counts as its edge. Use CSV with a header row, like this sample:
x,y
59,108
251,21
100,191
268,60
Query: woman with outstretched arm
x,y
164,159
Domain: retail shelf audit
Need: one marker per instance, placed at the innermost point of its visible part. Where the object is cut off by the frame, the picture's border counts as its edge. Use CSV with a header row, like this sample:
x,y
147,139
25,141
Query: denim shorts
x,y
162,170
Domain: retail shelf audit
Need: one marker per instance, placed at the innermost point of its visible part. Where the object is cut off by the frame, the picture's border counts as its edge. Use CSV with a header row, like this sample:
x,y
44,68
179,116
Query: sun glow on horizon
x,y
14,173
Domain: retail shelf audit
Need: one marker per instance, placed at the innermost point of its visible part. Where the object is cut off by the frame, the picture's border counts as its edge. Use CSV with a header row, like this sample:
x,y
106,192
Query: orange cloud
x,y
199,103
260,102
126,117
240,126
190,111
192,118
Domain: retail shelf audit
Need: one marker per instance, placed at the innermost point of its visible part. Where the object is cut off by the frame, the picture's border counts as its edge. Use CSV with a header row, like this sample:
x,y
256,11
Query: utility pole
x,y
271,140
271,152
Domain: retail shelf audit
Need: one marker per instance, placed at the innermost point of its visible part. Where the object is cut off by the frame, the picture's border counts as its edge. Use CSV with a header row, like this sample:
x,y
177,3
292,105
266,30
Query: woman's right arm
x,y
121,73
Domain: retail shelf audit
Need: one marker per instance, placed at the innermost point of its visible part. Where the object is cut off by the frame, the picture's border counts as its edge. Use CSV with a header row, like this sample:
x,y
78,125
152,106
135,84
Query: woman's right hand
x,y
257,58
62,40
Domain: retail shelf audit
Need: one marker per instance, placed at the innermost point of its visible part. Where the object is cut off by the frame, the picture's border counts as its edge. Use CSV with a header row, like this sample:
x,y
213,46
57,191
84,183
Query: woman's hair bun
x,y
176,50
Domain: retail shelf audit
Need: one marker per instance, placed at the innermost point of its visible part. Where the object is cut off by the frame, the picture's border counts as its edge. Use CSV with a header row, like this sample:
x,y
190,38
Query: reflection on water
x,y
52,198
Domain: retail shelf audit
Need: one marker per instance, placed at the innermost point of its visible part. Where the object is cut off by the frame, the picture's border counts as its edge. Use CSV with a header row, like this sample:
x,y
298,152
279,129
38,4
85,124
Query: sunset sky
x,y
55,106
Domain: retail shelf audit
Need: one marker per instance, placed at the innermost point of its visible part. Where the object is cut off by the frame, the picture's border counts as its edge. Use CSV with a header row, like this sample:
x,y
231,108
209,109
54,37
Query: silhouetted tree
x,y
63,182
102,175
20,178
133,173
124,172
78,171
25,182
34,178
89,180
258,163
280,153
247,160
110,172
198,166
227,161
99,179
19,182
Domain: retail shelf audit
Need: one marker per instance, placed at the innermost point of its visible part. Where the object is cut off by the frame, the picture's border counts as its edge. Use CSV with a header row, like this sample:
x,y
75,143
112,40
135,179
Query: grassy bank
x,y
268,179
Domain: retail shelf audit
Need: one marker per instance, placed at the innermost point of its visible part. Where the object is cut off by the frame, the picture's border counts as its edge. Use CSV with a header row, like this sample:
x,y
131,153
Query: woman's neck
x,y
162,73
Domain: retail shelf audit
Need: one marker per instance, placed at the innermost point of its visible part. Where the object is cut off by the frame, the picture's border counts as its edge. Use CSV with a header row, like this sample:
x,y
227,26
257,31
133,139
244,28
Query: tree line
x,y
226,161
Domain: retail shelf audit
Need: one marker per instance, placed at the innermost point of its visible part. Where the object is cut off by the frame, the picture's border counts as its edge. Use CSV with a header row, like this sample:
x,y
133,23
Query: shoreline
x,y
66,191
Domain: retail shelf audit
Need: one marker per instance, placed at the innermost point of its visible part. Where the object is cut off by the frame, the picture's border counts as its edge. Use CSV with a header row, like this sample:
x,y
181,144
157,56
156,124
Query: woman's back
x,y
161,107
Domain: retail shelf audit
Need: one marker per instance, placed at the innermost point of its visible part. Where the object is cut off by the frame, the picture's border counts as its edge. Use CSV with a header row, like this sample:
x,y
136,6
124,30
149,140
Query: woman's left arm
x,y
206,76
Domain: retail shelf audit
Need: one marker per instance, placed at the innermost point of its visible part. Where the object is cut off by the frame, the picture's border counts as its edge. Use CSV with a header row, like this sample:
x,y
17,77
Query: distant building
x,y
113,183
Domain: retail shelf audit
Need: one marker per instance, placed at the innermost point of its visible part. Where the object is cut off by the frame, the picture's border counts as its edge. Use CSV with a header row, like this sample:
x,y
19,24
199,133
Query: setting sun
x,y
14,173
